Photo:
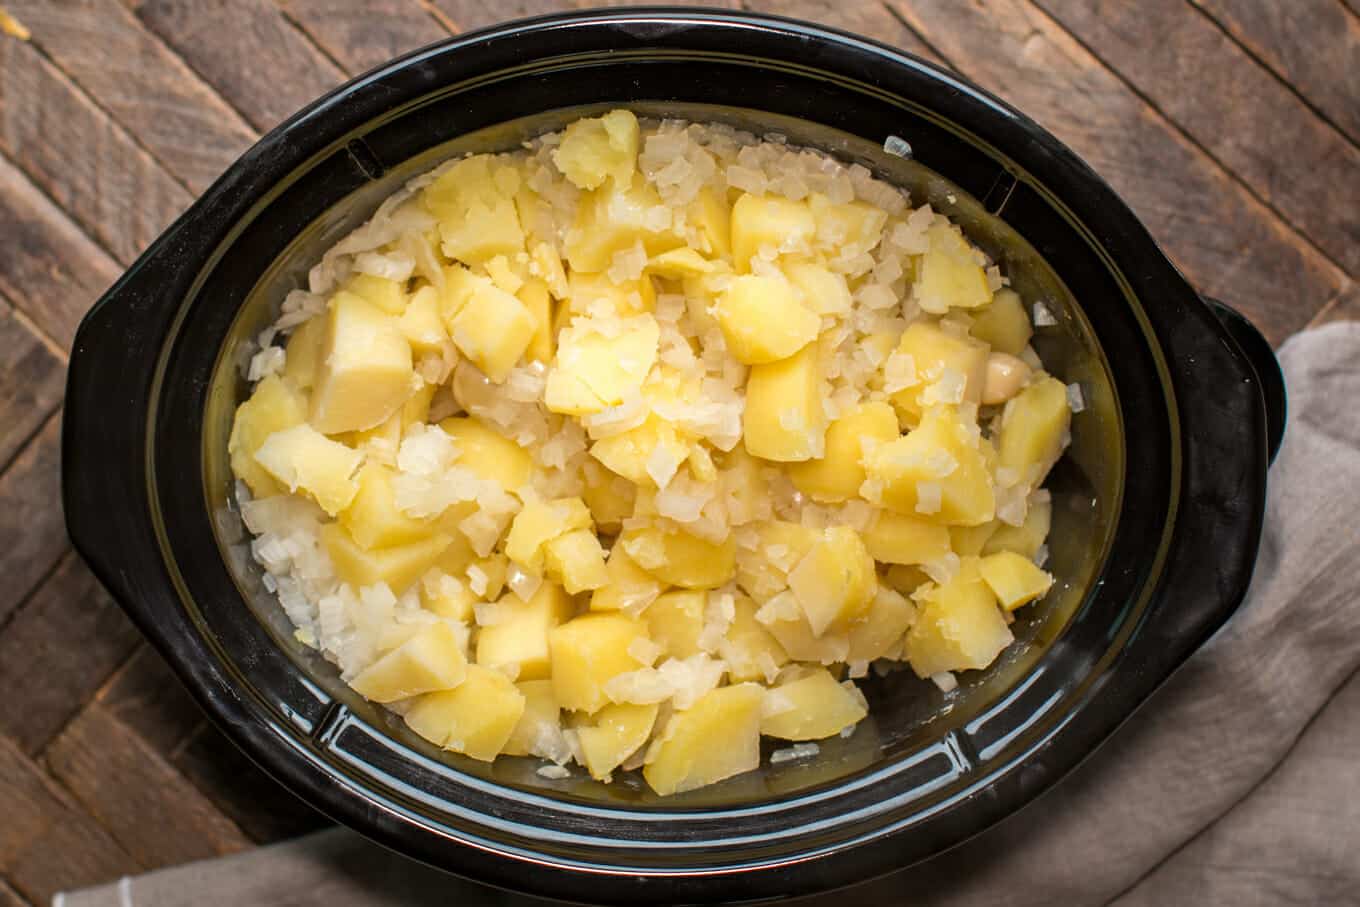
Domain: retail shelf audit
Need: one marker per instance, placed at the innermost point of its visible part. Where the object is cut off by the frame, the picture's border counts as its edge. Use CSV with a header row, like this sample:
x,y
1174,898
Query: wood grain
x,y
247,51
124,784
81,158
1238,111
466,15
49,269
870,19
1229,244
11,898
57,651
1345,307
146,697
32,531
361,36
141,83
31,380
1314,45
47,842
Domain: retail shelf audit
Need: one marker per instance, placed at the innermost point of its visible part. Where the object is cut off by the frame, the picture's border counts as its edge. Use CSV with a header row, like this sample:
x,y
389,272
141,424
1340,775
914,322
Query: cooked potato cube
x,y
880,632
1015,579
676,264
680,559
628,586
576,559
421,325
474,201
443,594
764,571
610,497
599,148
547,264
302,355
896,538
823,291
716,738
936,470
537,524
905,579
586,292
301,458
646,455
365,367
1034,427
1027,538
596,369
847,229
711,218
587,652
1004,324
948,275
539,723
784,420
949,368
373,518
618,731
675,620
476,717
274,407
399,566
838,474
519,640
748,648
383,292
769,221
430,660
537,302
493,329
763,321
488,453
967,541
835,581
958,627
614,218
811,708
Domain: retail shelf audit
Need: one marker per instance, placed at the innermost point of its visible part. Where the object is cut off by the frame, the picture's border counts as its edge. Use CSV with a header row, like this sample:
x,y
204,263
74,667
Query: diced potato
x,y
958,627
905,579
301,458
576,559
586,653
383,292
273,407
880,632
631,297
416,409
365,367
748,648
458,556
711,217
949,368
679,263
940,455
493,329
686,756
476,717
618,731
679,558
610,497
835,581
538,523
1014,579
763,321
811,708
838,475
373,518
540,719
538,303
745,485
653,446
505,275
594,370
600,148
823,291
948,275
784,618
770,220
421,325
430,660
764,571
628,586
675,620
614,218
303,352
443,594
896,538
1034,427
488,453
474,201
519,640
399,566
493,569
847,229
549,268
1003,325
1027,538
784,420
967,541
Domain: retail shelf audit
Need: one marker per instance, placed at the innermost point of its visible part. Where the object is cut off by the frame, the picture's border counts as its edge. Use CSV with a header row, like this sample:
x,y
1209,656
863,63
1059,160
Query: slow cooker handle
x,y
1263,362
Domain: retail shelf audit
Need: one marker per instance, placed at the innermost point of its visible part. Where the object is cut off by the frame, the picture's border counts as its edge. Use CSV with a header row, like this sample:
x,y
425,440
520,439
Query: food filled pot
x,y
1156,506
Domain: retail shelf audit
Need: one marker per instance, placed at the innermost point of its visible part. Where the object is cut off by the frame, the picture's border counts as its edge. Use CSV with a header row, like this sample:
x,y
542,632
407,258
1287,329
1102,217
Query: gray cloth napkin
x,y
1236,783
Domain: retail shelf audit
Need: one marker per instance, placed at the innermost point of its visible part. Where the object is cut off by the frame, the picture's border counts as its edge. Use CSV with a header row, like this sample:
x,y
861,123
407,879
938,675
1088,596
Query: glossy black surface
x,y
1159,504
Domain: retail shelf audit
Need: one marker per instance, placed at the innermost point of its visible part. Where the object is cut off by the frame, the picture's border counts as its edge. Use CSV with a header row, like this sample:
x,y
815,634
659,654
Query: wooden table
x,y
1231,126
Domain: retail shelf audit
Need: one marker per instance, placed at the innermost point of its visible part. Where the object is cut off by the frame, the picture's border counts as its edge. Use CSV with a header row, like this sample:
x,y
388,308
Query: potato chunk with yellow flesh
x,y
519,640
784,618
301,458
748,648
838,475
949,368
647,455
847,229
628,586
384,292
273,407
474,202
680,559
823,291
399,566
835,581
589,292
1004,324
539,723
488,453
365,369
1015,580
537,301
784,420
686,758
493,329
597,149
811,708
711,218
421,325
586,653
896,538
430,660
763,321
445,595
476,717
959,627
597,367
537,524
617,732
303,353
675,620
1027,538
1034,428
936,470
576,560
614,218
948,275
760,221
764,571
373,518
880,633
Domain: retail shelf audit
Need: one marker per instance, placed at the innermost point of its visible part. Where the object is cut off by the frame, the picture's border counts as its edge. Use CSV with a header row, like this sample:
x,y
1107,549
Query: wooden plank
x,y
57,651
1228,243
47,843
259,805
146,697
86,162
871,19
466,15
142,84
1237,111
1345,307
361,36
247,51
124,784
32,533
49,270
1314,45
31,382
11,898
